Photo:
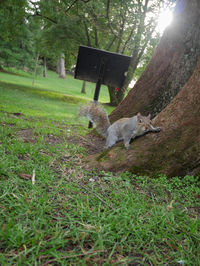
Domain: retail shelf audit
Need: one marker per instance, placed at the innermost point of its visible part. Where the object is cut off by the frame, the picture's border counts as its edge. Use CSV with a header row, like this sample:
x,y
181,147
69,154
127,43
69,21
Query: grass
x,y
68,86
72,216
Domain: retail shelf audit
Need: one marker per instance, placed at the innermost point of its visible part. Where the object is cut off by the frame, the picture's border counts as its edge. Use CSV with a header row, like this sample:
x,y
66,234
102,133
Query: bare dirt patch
x,y
91,142
51,139
26,135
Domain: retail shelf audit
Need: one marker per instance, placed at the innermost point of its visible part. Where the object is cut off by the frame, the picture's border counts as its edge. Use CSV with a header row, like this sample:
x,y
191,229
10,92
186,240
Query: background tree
x,y
61,32
176,149
16,37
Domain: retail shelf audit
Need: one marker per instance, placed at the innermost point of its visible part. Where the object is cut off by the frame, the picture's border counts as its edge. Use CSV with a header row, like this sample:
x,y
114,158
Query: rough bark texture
x,y
171,66
173,151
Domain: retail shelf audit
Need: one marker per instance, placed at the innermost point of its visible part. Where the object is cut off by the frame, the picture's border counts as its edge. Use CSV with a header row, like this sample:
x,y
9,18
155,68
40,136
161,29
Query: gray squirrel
x,y
123,129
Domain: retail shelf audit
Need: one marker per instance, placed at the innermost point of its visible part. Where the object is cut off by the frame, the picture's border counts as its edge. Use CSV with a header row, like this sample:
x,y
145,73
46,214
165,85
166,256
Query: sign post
x,y
101,67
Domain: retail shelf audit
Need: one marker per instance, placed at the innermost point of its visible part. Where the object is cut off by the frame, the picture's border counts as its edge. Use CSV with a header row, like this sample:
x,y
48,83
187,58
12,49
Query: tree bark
x,y
173,70
171,66
61,67
112,95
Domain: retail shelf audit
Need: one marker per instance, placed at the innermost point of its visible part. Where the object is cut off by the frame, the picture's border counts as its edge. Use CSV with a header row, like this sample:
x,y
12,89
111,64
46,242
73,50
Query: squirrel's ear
x,y
138,114
149,116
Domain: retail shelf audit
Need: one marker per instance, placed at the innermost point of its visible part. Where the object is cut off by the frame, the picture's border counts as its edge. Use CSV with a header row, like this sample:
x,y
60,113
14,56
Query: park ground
x,y
55,212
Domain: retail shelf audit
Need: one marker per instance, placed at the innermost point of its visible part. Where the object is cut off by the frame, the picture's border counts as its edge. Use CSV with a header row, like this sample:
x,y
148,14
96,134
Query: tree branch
x,y
108,9
45,17
70,6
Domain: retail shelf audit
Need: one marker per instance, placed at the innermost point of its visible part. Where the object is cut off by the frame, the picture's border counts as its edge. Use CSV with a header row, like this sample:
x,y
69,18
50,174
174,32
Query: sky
x,y
164,20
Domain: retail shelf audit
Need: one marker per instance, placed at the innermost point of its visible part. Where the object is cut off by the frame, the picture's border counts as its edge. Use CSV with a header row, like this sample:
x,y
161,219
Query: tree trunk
x,y
45,68
113,97
171,66
173,151
116,95
176,149
35,69
61,67
83,87
58,67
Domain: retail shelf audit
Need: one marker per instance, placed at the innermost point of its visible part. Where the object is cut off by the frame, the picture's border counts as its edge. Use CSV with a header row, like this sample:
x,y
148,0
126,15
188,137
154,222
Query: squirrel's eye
x,y
140,121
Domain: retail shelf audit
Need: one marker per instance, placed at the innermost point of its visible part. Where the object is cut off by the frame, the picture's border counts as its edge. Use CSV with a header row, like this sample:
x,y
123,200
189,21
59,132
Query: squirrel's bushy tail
x,y
97,115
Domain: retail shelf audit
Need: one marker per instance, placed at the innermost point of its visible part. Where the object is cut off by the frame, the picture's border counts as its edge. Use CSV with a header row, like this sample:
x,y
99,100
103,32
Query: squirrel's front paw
x,y
127,146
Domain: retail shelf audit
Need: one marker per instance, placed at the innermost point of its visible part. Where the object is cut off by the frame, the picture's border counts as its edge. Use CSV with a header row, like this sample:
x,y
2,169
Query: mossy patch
x,y
102,155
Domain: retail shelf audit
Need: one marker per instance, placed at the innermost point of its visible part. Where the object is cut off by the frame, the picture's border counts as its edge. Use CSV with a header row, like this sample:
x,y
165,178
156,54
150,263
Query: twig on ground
x,y
33,177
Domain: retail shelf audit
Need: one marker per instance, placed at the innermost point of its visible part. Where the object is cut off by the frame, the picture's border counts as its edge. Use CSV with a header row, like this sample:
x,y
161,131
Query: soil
x,y
91,142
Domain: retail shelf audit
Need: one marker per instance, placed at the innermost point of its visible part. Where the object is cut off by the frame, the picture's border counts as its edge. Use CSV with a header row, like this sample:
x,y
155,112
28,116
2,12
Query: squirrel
x,y
123,129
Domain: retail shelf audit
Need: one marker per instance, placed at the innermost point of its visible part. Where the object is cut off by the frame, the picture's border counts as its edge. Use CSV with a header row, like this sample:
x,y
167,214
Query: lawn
x,y
71,216
52,83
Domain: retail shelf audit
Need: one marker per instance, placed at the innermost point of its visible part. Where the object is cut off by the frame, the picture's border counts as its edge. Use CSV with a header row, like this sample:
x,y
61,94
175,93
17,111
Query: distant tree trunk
x,y
35,69
171,66
83,87
61,67
113,97
45,68
176,149
58,67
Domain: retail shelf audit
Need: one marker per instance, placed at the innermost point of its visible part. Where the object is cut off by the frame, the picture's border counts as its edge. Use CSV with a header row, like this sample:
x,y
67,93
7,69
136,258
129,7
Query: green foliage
x,y
19,54
66,26
16,42
12,18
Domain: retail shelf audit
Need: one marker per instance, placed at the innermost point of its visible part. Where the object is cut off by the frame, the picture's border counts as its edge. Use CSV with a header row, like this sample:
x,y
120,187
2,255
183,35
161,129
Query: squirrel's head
x,y
144,122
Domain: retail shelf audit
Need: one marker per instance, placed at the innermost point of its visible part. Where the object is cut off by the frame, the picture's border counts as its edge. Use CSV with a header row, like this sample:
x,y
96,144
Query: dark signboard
x,y
94,64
